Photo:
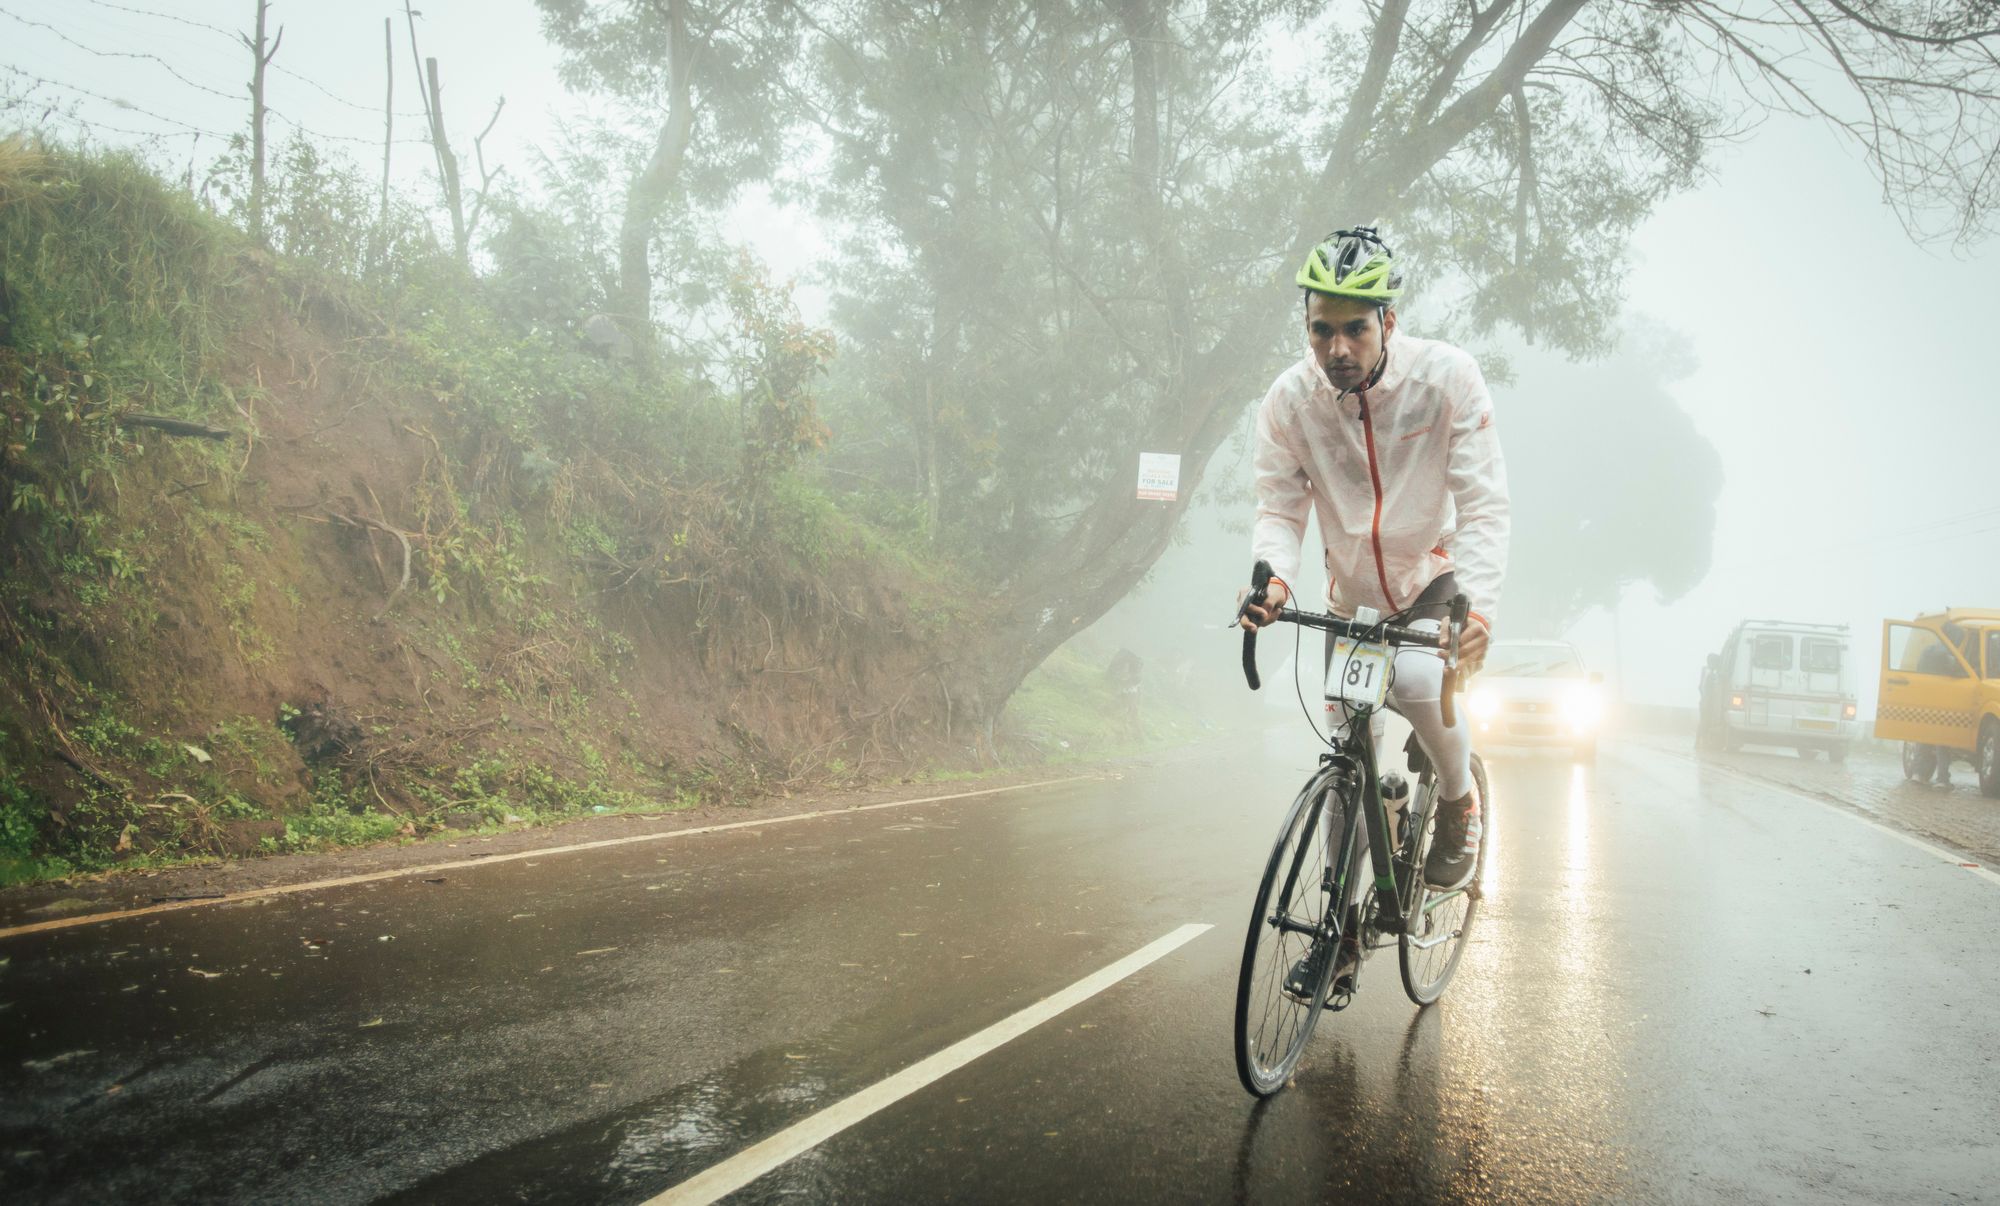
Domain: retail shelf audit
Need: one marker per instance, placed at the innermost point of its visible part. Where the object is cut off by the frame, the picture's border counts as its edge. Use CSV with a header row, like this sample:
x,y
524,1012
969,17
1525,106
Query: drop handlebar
x,y
1377,633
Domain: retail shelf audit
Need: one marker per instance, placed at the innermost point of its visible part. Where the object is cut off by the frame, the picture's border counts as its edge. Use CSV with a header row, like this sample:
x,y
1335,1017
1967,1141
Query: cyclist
x,y
1389,440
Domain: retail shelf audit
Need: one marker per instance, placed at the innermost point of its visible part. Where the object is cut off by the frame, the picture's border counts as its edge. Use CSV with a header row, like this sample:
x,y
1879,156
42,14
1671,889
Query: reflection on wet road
x,y
1683,986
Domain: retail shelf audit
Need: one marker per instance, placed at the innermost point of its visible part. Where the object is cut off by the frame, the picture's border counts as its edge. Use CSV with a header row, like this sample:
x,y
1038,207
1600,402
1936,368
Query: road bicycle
x,y
1315,867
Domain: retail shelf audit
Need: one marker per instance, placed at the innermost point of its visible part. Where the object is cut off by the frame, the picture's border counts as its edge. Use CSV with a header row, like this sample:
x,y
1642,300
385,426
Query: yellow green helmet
x,y
1353,263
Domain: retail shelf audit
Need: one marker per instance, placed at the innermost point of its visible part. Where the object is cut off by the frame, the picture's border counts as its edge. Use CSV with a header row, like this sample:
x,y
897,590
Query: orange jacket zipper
x,y
1375,479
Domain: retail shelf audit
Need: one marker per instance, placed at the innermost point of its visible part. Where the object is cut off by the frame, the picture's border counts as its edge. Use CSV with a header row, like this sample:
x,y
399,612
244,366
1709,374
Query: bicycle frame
x,y
1352,771
1355,760
1342,770
1396,896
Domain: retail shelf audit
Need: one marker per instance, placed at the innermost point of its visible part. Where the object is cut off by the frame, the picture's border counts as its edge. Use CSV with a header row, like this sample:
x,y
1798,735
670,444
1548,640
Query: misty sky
x,y
1844,373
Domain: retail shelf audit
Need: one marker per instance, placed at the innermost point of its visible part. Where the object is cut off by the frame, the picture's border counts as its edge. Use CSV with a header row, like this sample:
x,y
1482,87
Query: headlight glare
x,y
1582,707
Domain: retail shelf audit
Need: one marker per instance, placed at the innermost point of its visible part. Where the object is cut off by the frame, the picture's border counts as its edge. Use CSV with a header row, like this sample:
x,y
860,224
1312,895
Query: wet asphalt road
x,y
1683,987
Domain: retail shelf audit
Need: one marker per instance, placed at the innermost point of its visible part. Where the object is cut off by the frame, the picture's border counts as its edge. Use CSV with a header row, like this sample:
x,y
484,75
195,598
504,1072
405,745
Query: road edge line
x,y
172,906
752,1162
1847,810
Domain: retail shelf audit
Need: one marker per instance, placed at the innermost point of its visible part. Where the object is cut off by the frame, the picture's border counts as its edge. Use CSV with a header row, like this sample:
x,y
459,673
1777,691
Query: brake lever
x,y
1461,607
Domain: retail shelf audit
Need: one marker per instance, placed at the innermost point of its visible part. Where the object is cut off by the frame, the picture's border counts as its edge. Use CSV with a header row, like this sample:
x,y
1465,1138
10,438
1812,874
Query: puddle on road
x,y
647,1147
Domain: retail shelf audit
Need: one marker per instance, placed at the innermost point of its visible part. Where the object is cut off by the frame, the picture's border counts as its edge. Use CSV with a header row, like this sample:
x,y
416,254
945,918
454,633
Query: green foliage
x,y
337,816
499,786
325,213
20,836
125,309
236,594
804,522
150,799
258,744
779,358
136,293
549,268
104,734
736,71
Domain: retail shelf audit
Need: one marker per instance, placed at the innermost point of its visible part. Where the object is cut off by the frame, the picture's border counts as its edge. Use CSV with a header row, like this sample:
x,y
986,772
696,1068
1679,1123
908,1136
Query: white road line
x,y
753,1162
63,923
1938,852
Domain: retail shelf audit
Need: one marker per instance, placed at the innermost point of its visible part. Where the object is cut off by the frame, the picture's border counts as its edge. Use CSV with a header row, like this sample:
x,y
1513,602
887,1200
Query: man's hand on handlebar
x,y
1255,616
1472,646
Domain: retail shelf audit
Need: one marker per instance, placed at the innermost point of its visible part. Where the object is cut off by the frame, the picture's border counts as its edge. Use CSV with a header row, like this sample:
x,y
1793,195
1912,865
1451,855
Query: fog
x,y
1840,371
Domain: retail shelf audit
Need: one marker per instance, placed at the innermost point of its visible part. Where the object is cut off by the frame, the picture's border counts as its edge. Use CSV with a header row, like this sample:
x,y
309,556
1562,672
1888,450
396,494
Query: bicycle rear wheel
x,y
1434,938
1292,911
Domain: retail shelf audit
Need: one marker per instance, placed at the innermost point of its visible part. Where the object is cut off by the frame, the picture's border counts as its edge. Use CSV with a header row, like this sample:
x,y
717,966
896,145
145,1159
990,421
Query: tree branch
x,y
1360,115
1425,146
486,178
1903,35
173,427
1476,34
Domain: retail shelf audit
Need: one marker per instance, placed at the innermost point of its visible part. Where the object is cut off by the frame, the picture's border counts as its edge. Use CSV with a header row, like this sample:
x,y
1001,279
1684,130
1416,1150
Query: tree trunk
x,y
655,185
927,461
432,95
1168,272
260,58
1104,554
388,118
1139,18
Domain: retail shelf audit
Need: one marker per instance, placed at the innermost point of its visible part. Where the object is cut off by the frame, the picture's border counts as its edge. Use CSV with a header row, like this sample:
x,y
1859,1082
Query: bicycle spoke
x,y
1442,898
1435,938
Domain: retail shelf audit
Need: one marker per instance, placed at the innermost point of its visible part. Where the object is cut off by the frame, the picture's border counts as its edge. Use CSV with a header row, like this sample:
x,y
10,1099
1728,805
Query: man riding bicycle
x,y
1390,442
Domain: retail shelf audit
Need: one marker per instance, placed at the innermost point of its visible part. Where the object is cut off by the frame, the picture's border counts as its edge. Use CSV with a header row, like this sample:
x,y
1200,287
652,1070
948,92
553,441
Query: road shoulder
x,y
118,891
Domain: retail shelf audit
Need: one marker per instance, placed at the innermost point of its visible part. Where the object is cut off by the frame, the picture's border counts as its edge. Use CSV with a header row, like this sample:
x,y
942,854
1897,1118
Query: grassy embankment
x,y
343,541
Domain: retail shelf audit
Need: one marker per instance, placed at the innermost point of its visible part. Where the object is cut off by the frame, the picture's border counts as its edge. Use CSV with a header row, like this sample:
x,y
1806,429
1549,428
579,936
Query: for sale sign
x,y
1159,475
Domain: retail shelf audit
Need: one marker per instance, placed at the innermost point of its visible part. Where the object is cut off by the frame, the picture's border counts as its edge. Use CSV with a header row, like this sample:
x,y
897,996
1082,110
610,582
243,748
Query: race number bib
x,y
1359,674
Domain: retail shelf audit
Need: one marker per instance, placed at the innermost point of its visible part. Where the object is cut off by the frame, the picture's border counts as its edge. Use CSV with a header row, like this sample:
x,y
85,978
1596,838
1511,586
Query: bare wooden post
x,y
447,162
388,116
261,59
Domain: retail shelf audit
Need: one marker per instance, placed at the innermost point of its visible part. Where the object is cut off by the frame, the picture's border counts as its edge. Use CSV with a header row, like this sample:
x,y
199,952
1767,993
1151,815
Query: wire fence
x,y
181,97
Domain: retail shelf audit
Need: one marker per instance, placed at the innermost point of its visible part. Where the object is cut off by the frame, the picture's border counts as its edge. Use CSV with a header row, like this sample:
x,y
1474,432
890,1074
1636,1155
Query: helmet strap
x,y
1382,361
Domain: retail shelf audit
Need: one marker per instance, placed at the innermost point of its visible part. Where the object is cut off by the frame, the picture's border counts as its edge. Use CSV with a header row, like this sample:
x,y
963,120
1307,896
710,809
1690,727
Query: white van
x,y
1780,683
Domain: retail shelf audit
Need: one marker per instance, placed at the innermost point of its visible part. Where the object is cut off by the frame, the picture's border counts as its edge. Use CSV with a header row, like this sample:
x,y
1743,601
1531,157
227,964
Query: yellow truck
x,y
1940,692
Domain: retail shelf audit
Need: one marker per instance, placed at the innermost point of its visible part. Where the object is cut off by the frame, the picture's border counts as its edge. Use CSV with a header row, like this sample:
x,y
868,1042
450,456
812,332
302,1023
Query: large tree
x,y
703,78
1074,222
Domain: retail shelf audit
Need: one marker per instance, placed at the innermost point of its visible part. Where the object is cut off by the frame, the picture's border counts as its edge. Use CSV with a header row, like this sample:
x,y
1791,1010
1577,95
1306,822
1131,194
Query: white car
x,y
1536,693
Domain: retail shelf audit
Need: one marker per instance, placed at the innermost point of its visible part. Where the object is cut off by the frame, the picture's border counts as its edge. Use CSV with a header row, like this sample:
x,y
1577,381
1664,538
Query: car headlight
x,y
1582,707
1484,704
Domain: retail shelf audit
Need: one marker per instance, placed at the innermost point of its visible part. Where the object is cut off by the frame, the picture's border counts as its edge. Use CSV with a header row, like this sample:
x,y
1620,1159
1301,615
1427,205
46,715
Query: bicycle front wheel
x,y
1293,907
1439,922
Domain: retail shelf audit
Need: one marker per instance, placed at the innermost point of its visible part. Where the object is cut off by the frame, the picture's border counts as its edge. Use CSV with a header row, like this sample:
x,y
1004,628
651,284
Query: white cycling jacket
x,y
1406,477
